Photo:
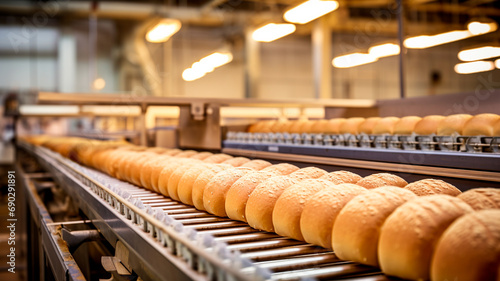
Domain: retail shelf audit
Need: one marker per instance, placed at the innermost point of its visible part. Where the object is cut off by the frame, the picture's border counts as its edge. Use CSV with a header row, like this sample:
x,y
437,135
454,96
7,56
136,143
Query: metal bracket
x,y
198,110
75,238
118,265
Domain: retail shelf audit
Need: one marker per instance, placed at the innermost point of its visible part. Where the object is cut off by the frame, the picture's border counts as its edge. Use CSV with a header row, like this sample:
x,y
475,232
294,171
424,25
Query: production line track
x,y
188,244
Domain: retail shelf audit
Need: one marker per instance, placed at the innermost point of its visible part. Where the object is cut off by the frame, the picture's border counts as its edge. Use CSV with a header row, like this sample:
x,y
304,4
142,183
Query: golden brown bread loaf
x,y
496,129
175,178
217,158
432,186
453,124
149,166
469,249
482,198
385,125
406,125
282,168
295,126
428,125
321,210
257,164
133,173
306,127
201,182
238,193
214,195
308,173
186,182
409,235
276,126
290,204
481,125
236,161
351,125
161,182
367,125
339,177
186,154
202,155
319,126
333,125
381,179
260,204
357,228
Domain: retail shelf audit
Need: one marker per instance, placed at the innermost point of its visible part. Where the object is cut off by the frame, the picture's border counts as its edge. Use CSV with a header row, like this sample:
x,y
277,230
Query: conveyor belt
x,y
173,241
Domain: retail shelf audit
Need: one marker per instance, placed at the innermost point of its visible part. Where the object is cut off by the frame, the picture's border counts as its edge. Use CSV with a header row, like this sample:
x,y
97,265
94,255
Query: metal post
x,y
252,65
402,50
321,52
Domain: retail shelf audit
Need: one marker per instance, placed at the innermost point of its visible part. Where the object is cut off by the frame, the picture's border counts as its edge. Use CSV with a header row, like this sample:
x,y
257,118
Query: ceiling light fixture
x,y
162,31
310,10
478,27
273,31
480,53
427,41
474,67
384,50
206,65
353,59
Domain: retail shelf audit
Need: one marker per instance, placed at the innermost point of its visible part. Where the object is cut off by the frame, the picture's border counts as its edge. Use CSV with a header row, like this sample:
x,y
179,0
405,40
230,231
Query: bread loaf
x,y
351,126
321,210
295,127
406,125
217,158
257,164
201,182
148,167
290,204
238,193
356,230
339,177
496,129
306,127
333,125
185,186
236,161
202,155
428,125
308,173
260,204
432,186
133,173
175,177
282,168
385,125
453,124
381,179
319,126
367,125
161,182
214,195
482,198
278,126
186,154
481,125
409,235
469,249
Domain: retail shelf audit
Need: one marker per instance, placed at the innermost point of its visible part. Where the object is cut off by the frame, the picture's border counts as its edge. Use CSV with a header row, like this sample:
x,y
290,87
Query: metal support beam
x,y
252,65
322,47
66,59
402,87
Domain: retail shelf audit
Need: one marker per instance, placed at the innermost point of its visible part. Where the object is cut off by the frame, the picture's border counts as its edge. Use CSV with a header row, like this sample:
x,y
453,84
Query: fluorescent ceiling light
x,y
163,30
427,41
497,63
480,53
272,31
206,65
474,67
384,50
28,109
353,59
310,10
478,28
